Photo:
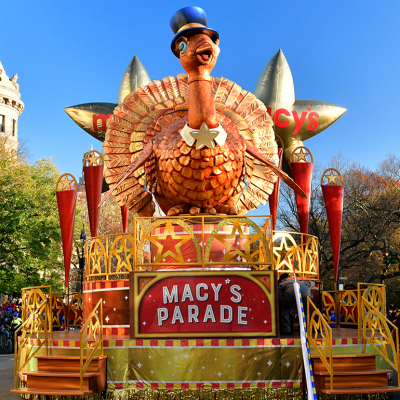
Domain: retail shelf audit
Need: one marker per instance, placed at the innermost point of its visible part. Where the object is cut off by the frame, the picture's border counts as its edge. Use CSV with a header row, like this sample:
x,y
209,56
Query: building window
x,y
14,127
2,123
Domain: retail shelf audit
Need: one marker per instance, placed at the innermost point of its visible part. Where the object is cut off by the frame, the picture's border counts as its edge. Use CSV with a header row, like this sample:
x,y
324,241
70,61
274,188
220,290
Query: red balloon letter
x,y
276,117
314,122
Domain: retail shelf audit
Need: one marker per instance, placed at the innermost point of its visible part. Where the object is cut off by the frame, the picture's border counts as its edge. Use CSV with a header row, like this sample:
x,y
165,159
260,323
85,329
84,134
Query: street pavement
x,y
7,377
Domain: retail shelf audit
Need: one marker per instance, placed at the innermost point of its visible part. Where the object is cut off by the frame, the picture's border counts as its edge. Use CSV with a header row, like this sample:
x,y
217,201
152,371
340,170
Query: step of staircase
x,y
343,362
62,380
69,364
380,389
352,374
353,379
60,375
49,392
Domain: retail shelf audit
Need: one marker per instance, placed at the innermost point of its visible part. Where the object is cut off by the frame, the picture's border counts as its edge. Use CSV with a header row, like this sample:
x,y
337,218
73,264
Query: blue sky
x,y
345,53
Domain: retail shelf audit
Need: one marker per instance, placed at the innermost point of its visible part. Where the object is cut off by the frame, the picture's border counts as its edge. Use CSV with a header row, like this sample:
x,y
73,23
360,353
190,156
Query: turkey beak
x,y
205,53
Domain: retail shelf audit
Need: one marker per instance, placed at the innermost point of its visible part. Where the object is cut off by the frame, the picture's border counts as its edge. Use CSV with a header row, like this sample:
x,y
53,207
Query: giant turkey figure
x,y
197,143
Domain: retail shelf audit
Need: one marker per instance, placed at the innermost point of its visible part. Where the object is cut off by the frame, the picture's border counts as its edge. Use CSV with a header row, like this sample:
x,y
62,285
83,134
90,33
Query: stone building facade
x,y
11,108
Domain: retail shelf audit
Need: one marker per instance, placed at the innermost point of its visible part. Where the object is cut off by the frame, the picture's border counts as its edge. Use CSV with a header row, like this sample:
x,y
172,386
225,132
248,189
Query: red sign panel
x,y
204,304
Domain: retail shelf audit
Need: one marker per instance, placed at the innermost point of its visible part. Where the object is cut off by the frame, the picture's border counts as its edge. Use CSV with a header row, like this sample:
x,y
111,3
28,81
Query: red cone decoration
x,y
125,217
302,175
274,196
66,192
93,172
333,192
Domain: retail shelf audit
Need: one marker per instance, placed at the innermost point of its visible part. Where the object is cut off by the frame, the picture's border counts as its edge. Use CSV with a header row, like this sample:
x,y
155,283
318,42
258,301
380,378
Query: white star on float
x,y
255,358
149,295
190,370
227,281
173,374
288,364
229,366
97,311
203,367
242,355
107,319
149,356
263,301
126,297
265,321
258,373
215,359
189,260
186,356
90,299
114,372
139,364
115,309
151,371
112,357
269,362
144,322
219,374
169,362
104,302
204,136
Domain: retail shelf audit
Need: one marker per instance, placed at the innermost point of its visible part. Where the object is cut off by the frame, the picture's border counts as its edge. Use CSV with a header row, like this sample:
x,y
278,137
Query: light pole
x,y
81,256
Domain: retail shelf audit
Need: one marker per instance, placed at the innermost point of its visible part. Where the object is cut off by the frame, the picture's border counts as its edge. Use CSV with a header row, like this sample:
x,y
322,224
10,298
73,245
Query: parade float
x,y
185,306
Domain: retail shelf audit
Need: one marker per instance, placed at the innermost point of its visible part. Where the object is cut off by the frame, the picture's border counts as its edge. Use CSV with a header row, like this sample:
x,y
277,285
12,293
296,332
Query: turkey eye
x,y
183,47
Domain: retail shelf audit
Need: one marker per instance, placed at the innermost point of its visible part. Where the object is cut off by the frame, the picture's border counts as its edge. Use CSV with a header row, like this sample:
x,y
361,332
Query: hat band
x,y
191,25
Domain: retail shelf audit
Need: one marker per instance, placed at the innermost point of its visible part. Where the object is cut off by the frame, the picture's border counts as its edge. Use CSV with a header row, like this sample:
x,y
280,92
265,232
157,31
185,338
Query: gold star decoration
x,y
169,230
333,176
67,182
124,255
301,156
93,156
204,137
237,229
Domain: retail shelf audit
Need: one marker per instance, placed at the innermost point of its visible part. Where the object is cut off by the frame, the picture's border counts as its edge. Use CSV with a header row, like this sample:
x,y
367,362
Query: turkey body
x,y
201,178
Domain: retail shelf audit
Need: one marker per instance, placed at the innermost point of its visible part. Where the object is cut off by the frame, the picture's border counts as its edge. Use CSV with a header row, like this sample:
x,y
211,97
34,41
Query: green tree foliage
x,y
30,236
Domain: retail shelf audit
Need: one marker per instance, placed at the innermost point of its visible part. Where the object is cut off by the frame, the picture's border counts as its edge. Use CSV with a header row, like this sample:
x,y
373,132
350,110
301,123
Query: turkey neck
x,y
201,105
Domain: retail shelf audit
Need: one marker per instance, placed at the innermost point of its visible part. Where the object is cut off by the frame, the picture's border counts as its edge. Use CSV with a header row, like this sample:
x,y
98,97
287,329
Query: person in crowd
x,y
287,301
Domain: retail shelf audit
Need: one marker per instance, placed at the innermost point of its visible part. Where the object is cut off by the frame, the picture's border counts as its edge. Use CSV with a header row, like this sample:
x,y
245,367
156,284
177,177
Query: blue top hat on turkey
x,y
188,21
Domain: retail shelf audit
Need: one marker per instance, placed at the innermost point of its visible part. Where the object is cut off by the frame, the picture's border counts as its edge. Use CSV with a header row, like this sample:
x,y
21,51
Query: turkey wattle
x,y
194,141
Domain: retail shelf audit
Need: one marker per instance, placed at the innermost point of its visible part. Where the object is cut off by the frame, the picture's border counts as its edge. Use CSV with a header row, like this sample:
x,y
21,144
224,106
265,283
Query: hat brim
x,y
196,29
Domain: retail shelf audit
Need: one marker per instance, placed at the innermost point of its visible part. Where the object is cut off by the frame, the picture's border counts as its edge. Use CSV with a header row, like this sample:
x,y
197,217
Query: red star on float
x,y
237,229
169,230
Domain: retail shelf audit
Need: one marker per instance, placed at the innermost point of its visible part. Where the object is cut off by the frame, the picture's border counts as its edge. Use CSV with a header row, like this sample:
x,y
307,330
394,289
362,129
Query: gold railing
x,y
377,332
345,305
375,294
65,309
296,253
91,338
36,326
319,335
199,243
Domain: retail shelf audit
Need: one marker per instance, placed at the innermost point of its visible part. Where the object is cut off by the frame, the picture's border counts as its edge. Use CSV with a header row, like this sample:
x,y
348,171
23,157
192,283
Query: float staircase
x,y
60,375
352,374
